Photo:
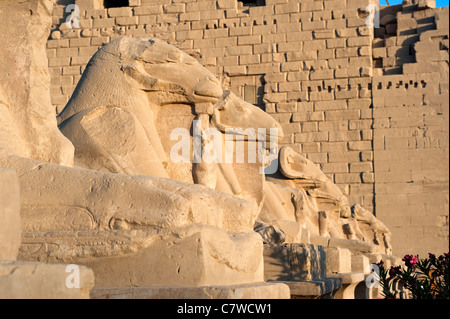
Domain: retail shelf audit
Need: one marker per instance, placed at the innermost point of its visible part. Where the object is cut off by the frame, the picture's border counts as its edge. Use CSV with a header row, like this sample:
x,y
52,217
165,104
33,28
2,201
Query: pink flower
x,y
410,261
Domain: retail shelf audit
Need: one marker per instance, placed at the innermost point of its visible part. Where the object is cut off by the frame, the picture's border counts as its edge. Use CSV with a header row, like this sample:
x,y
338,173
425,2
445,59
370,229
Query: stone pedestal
x,y
191,256
341,264
315,289
294,262
10,225
349,283
360,263
32,280
251,291
302,267
338,260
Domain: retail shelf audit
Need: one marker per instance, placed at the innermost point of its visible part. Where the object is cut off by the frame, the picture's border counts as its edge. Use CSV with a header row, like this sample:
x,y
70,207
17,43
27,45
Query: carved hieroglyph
x,y
9,215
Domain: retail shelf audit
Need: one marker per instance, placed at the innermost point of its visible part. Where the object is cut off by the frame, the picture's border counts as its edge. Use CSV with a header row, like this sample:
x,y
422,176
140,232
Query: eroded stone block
x,y
10,224
192,256
338,260
252,291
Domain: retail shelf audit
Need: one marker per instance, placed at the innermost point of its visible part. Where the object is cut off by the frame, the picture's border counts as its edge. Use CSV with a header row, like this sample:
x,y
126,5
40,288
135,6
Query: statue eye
x,y
173,57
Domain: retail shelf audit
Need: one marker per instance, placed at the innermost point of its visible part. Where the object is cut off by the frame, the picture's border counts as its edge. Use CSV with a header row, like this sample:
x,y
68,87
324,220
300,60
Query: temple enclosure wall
x,y
368,104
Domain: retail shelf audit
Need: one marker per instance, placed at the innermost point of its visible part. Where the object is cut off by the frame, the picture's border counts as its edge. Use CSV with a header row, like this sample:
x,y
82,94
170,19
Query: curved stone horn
x,y
148,83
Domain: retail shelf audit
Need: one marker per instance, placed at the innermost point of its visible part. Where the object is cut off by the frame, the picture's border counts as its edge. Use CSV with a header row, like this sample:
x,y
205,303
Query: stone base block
x,y
388,260
253,291
324,288
352,244
338,260
297,262
360,263
10,224
348,278
349,283
374,258
191,256
30,280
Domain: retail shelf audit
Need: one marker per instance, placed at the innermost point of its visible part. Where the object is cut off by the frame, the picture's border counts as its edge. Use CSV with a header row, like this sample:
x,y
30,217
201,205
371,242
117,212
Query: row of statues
x,y
98,186
155,88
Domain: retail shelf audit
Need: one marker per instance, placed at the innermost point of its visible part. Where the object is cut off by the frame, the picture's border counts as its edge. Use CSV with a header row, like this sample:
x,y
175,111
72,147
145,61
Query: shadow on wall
x,y
115,3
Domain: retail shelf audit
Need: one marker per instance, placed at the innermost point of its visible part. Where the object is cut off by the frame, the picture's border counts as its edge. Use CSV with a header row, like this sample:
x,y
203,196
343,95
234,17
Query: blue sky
x,y
439,3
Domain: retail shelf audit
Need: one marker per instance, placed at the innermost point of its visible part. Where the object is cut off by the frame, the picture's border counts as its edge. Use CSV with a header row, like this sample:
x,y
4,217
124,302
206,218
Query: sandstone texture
x,y
332,130
368,105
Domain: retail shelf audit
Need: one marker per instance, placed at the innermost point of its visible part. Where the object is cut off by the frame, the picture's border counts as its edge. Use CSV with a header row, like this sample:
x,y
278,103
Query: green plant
x,y
426,278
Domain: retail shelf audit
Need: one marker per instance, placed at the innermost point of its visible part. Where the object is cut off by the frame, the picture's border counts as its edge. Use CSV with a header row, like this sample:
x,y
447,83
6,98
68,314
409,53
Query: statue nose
x,y
209,86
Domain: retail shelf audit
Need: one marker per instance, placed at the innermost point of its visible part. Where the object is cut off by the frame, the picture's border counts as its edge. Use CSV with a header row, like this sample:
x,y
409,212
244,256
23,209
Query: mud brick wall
x,y
313,65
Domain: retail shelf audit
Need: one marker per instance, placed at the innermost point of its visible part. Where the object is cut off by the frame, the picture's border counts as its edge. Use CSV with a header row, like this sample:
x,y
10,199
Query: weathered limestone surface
x,y
340,265
312,67
80,216
144,82
31,280
254,291
301,192
25,109
10,235
337,89
190,256
298,58
294,262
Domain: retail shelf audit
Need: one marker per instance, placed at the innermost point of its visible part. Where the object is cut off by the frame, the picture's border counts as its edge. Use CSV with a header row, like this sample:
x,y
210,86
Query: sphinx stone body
x,y
111,199
120,225
146,89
